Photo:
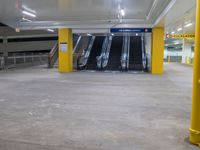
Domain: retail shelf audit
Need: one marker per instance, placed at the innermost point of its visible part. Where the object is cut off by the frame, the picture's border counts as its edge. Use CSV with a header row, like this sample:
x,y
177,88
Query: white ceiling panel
x,y
79,14
99,15
182,12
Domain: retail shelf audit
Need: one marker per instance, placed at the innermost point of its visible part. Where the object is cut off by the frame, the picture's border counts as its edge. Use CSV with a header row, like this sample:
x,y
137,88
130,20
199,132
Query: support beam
x,y
65,51
195,116
157,51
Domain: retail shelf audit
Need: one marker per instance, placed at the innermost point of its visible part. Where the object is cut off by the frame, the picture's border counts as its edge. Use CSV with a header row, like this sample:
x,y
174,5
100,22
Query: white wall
x,y
187,51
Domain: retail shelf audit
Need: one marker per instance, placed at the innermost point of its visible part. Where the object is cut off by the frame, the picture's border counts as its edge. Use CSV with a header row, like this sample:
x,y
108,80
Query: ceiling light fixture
x,y
28,14
179,29
17,30
50,30
28,9
188,25
176,42
137,34
172,32
122,12
89,34
24,19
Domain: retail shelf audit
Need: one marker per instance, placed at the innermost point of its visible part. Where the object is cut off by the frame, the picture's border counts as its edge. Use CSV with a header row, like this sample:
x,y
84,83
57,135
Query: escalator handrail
x,y
123,54
144,57
54,49
103,52
125,51
77,43
105,57
53,56
84,58
128,52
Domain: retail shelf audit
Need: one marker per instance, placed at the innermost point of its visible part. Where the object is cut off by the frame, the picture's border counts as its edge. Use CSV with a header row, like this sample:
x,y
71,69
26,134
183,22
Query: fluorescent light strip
x,y
172,32
188,25
26,19
179,29
28,14
50,30
28,9
176,43
122,12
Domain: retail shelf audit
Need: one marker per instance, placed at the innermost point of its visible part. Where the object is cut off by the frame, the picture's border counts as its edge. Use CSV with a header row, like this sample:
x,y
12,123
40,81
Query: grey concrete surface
x,y
41,109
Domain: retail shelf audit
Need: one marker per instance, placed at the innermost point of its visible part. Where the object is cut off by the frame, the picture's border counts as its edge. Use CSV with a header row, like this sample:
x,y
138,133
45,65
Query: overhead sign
x,y
130,30
183,36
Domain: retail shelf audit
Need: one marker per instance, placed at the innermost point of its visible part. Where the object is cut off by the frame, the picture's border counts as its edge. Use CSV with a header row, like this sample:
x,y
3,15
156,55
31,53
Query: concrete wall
x,y
27,46
7,34
24,48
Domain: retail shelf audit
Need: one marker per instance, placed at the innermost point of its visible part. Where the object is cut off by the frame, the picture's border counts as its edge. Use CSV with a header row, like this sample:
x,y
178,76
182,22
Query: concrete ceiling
x,y
182,13
96,15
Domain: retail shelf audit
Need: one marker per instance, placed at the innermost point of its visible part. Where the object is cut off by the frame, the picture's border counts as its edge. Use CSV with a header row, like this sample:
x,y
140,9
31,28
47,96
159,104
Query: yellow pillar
x,y
65,50
157,51
169,59
195,116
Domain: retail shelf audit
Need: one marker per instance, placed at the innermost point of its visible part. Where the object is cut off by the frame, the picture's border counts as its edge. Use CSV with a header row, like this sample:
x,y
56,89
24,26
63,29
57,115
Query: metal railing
x,y
53,56
23,60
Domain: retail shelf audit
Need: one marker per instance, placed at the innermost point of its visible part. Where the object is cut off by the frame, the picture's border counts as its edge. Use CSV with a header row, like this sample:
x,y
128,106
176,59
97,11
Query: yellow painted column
x,y
65,50
157,51
195,116
169,59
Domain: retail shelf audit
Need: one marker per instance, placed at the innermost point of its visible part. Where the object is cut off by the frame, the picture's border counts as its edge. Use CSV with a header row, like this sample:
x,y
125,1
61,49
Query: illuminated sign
x,y
131,30
180,36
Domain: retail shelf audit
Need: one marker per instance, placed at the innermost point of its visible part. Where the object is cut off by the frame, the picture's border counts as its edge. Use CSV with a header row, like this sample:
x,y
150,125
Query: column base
x,y
194,137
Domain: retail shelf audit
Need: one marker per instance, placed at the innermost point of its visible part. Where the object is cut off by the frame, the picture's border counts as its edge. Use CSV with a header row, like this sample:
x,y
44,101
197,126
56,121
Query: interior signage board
x,y
131,30
63,47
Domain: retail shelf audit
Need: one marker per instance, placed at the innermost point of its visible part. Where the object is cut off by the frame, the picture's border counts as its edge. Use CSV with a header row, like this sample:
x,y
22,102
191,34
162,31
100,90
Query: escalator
x,y
80,46
96,51
114,61
135,55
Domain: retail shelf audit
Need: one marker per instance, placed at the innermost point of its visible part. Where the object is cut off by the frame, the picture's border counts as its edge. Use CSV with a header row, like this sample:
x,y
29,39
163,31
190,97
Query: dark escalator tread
x,y
135,56
115,54
96,51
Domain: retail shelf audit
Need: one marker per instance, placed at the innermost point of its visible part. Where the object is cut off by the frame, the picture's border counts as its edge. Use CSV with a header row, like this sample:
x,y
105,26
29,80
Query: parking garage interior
x,y
99,75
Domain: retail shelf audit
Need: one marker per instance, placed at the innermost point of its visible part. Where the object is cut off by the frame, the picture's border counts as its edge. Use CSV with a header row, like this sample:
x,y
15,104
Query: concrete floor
x,y
41,109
